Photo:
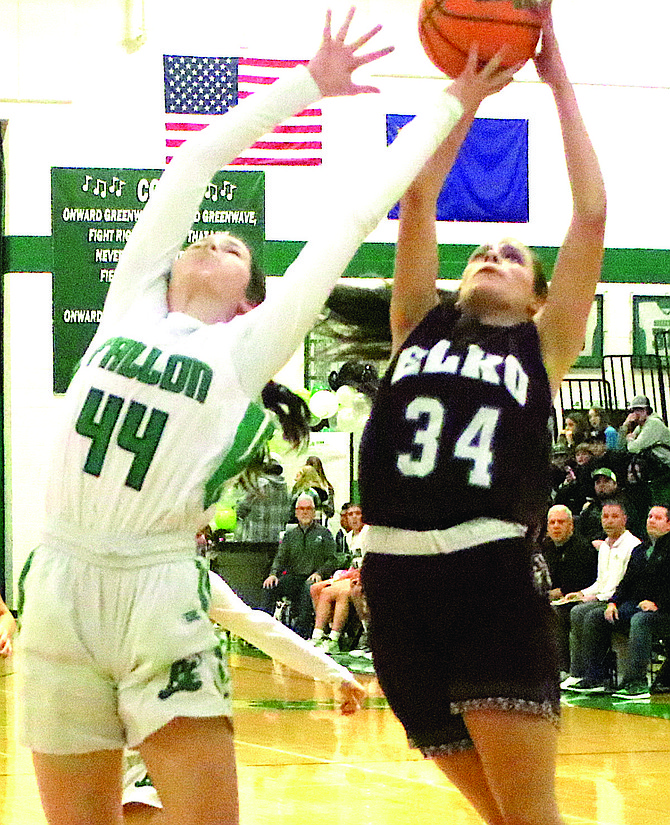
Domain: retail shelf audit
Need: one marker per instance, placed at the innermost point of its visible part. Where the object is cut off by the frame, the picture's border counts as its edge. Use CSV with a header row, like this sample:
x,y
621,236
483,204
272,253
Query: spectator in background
x,y
585,465
331,598
573,564
601,430
645,436
613,556
341,541
308,480
266,508
575,429
328,506
606,487
305,556
563,479
639,607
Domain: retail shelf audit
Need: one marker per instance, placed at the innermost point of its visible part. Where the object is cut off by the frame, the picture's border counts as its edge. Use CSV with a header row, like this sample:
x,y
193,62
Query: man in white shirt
x,y
613,555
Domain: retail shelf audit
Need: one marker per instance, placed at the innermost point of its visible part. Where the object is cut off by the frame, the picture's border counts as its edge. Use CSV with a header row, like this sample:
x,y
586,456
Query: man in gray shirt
x,y
647,438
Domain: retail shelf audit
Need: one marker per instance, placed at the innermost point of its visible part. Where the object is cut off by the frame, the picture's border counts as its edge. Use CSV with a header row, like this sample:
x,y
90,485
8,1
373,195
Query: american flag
x,y
199,88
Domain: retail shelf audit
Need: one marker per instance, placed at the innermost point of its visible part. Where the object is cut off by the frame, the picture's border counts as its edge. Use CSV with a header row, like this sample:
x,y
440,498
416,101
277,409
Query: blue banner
x,y
489,181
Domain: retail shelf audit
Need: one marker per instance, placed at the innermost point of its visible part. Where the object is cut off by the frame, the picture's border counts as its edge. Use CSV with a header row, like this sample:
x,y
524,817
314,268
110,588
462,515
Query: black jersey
x,y
459,427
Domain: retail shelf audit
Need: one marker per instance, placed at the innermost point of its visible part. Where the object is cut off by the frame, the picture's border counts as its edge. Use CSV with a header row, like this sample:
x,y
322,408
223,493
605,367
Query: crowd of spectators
x,y
607,549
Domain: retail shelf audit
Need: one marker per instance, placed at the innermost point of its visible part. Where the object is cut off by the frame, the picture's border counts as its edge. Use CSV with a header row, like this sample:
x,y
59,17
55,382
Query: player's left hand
x,y
332,66
351,695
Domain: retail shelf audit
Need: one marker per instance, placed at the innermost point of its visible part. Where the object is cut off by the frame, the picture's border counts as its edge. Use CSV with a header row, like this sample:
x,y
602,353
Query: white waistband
x,y
399,542
118,550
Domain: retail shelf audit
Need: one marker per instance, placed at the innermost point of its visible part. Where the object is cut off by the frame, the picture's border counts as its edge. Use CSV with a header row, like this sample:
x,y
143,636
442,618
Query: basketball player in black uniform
x,y
454,468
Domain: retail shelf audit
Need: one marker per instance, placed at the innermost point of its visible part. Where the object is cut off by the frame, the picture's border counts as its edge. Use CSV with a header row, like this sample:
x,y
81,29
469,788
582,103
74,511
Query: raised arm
x,y
164,223
416,263
379,181
562,321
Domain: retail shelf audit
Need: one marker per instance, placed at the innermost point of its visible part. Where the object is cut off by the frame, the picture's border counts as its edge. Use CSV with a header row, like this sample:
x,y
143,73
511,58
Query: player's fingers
x,y
362,59
344,28
493,64
365,37
473,56
326,27
359,90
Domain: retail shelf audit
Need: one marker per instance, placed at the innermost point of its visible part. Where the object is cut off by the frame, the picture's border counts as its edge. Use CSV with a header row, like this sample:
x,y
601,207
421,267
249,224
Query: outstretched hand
x,y
474,83
351,696
332,66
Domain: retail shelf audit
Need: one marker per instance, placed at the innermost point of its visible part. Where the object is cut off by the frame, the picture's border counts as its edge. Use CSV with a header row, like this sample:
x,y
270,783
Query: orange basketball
x,y
447,29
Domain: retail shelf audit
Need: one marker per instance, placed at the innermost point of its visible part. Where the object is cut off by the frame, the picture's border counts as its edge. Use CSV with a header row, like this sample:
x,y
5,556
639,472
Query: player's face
x,y
219,265
559,526
658,523
344,520
501,277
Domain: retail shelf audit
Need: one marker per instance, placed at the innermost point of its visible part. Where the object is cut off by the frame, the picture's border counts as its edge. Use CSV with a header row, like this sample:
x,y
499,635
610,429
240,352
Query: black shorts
x,y
458,631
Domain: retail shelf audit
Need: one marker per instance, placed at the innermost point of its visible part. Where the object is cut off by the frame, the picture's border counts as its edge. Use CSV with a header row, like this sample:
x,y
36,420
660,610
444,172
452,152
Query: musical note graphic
x,y
227,190
116,186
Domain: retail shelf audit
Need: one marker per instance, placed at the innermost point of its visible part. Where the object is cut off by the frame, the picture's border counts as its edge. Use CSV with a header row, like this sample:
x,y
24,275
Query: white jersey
x,y
162,408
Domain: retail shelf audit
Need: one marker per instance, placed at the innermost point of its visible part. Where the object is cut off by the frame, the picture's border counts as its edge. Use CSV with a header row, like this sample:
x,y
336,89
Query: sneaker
x,y
321,643
587,686
659,687
137,786
633,690
569,681
361,653
331,646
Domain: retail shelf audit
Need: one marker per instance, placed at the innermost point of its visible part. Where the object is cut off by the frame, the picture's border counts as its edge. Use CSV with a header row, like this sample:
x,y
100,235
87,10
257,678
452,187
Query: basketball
x,y
447,29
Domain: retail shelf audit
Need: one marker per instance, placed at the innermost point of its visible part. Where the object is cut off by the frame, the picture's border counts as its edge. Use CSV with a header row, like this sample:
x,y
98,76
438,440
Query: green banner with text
x,y
93,212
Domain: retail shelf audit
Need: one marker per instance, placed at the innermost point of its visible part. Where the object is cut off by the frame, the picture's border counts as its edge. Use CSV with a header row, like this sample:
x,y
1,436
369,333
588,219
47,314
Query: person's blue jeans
x,y
579,652
641,626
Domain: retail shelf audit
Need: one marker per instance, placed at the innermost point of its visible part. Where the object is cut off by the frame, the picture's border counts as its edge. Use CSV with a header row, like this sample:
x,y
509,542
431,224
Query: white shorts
x,y
111,654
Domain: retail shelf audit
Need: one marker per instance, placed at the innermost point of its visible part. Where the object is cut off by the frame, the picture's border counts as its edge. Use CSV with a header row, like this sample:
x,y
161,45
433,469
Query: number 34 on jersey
x,y
474,444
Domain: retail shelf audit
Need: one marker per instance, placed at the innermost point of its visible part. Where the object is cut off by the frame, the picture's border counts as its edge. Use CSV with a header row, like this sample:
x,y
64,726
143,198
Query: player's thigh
x,y
137,814
191,762
80,789
514,744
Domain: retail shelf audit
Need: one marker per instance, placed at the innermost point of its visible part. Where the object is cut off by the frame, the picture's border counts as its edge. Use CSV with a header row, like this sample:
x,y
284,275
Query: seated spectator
x,y
601,431
563,480
639,607
573,564
341,540
647,438
585,465
306,555
616,460
307,480
331,598
266,508
613,556
575,429
605,487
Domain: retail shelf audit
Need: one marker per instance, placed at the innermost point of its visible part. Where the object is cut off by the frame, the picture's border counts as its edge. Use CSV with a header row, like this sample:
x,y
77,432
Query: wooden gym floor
x,y
298,760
